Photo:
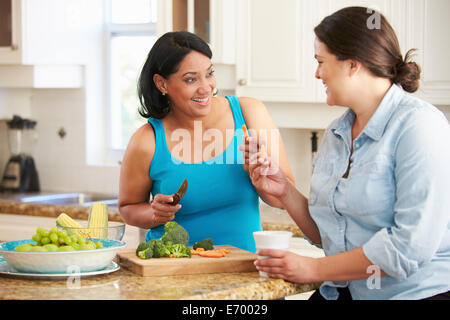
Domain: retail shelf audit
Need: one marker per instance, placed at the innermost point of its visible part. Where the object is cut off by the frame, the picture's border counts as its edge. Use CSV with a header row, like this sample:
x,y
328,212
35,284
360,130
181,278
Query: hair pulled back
x,y
365,35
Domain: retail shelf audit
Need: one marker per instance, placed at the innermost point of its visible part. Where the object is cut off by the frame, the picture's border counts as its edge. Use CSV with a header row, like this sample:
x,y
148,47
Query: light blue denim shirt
x,y
395,203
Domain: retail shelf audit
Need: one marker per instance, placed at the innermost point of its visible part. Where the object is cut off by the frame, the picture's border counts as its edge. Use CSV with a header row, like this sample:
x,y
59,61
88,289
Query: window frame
x,y
114,155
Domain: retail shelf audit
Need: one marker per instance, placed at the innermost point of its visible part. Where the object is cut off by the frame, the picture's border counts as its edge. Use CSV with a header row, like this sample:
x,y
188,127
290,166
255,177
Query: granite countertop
x,y
123,284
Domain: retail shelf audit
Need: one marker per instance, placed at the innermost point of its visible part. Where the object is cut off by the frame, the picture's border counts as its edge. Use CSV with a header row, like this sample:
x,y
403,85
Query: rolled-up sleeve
x,y
422,207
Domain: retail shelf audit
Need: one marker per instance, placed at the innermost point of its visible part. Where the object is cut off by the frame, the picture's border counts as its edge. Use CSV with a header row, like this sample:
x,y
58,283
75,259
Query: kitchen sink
x,y
74,198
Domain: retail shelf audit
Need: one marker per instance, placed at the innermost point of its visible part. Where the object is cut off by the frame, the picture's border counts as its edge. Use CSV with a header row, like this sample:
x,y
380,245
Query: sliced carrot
x,y
212,254
263,151
200,249
244,128
171,255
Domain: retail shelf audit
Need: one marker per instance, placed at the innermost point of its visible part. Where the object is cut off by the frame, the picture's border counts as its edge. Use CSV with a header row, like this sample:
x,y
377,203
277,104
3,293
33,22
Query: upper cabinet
x,y
213,20
10,32
43,43
275,56
428,32
46,31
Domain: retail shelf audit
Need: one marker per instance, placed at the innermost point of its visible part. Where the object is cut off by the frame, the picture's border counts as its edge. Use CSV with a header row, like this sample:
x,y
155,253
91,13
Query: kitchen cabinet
x,y
212,20
41,32
428,26
275,54
47,37
10,31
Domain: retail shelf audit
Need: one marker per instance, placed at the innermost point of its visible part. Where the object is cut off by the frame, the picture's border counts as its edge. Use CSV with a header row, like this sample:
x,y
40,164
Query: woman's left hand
x,y
288,266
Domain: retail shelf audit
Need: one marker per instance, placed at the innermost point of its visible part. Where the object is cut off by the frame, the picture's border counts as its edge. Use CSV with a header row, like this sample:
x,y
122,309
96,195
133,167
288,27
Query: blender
x,y
20,172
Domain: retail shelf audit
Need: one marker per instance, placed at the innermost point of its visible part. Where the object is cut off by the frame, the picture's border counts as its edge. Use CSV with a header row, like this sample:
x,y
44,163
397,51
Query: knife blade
x,y
180,193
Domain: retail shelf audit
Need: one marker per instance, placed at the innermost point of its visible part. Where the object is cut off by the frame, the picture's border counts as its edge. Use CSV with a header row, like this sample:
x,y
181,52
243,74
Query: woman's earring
x,y
215,92
163,94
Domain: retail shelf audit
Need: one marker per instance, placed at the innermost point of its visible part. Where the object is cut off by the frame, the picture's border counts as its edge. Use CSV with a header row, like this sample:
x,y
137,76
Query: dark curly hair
x,y
164,59
348,34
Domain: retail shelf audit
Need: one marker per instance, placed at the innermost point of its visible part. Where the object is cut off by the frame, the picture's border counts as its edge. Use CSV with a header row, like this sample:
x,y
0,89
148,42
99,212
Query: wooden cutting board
x,y
237,260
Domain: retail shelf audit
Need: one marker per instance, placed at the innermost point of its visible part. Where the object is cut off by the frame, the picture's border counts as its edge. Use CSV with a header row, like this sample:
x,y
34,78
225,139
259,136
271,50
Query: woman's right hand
x,y
163,211
264,173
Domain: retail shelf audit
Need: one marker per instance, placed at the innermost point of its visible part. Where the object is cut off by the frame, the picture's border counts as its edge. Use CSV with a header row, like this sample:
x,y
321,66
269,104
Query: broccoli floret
x,y
160,249
142,247
206,244
179,250
146,254
175,233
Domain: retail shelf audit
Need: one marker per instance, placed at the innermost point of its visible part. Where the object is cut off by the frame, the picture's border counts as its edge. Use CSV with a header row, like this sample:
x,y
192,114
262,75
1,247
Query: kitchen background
x,y
55,71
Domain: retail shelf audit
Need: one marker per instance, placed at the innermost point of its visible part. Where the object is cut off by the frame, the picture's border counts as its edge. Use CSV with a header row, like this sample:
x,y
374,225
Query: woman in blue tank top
x,y
192,134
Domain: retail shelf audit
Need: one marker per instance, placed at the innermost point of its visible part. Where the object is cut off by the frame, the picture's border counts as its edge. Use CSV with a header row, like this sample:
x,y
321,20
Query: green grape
x,y
88,246
42,232
38,248
51,247
99,244
45,240
36,237
81,240
62,233
24,247
53,238
76,246
74,238
54,230
66,248
67,240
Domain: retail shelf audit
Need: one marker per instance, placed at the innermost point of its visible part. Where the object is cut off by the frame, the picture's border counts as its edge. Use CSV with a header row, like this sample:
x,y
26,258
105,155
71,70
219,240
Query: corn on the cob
x,y
98,220
64,220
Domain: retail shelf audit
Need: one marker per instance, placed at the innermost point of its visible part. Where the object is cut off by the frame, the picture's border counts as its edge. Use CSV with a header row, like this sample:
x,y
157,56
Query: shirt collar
x,y
379,120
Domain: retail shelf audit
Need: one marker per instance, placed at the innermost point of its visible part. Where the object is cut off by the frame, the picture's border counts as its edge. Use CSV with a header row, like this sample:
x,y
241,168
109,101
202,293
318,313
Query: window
x,y
131,32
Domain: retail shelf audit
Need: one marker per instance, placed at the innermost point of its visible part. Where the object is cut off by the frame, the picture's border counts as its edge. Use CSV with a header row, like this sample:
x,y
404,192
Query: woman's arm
x,y
260,125
268,179
346,266
135,184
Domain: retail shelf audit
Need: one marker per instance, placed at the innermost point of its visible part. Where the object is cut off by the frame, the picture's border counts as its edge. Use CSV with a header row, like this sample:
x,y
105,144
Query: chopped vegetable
x,y
175,233
206,244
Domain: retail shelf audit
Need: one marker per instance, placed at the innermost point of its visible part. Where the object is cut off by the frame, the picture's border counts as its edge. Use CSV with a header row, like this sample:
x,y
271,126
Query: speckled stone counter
x,y
80,212
125,285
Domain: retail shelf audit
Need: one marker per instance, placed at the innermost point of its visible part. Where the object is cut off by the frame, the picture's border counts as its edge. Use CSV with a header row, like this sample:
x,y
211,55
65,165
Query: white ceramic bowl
x,y
60,261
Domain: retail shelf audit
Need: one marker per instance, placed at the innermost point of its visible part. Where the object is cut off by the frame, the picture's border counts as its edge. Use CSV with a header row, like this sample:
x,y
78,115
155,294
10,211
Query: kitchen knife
x,y
180,193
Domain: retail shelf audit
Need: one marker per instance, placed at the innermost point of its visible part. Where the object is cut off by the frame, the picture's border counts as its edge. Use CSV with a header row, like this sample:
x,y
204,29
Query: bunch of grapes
x,y
58,240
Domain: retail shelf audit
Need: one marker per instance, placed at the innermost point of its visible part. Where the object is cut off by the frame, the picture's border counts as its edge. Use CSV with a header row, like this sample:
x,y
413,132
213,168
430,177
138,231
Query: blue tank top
x,y
221,202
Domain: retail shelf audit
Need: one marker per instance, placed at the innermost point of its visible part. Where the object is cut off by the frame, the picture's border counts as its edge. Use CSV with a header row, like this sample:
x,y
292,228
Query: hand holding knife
x,y
180,193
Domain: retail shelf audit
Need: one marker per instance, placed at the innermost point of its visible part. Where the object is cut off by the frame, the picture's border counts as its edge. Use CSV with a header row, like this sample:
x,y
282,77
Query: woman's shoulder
x,y
413,111
143,141
253,110
251,104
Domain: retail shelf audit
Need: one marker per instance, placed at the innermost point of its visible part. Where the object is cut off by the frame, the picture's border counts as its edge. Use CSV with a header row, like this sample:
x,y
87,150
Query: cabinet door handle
x,y
242,82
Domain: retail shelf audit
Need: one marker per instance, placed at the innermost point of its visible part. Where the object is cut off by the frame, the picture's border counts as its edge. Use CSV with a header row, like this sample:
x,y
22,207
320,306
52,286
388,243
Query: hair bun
x,y
408,74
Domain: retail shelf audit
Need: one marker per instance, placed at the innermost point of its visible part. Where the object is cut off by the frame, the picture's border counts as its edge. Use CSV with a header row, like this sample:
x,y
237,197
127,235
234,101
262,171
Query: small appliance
x,y
20,172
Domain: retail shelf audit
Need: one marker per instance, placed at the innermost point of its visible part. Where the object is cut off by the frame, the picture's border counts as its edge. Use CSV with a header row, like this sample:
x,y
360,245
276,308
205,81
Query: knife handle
x,y
176,199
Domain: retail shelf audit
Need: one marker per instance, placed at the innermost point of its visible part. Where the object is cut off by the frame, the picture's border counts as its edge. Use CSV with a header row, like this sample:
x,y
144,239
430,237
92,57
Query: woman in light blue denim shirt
x,y
379,202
